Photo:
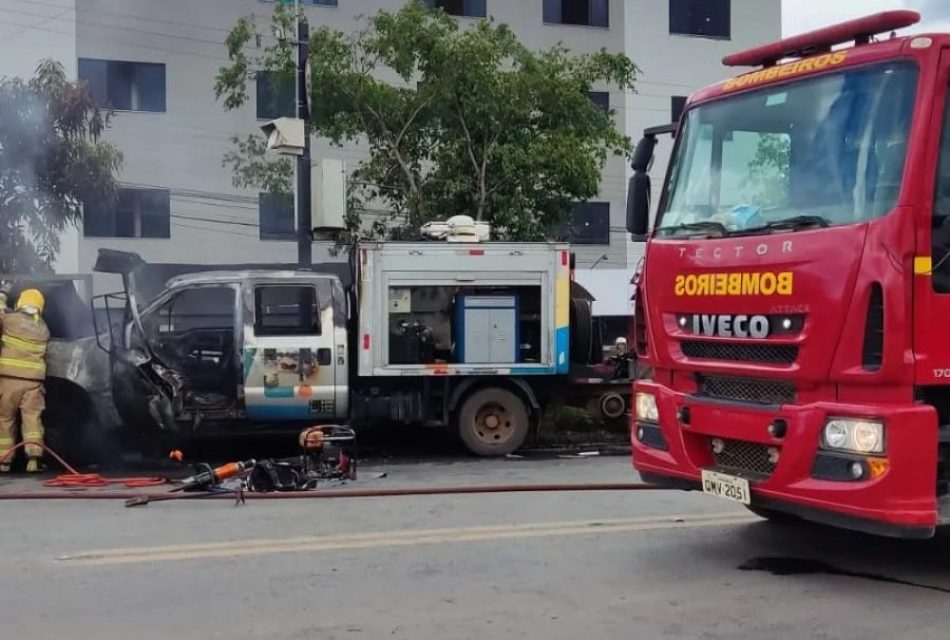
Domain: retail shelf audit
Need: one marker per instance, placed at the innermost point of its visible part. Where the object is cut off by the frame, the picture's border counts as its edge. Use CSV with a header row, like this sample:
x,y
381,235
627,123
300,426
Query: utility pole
x,y
304,218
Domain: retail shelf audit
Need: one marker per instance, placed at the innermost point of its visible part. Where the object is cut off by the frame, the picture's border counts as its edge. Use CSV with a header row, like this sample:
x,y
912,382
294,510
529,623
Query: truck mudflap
x,y
793,473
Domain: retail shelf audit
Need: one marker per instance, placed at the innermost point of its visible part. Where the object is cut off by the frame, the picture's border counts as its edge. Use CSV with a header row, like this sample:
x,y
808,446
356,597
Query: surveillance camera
x,y
285,135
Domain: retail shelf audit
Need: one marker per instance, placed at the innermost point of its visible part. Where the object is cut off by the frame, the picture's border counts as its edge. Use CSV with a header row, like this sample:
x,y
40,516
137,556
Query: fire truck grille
x,y
736,352
747,390
739,455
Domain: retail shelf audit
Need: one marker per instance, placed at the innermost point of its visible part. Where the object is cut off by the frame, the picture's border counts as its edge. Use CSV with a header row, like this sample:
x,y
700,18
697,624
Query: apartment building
x,y
154,63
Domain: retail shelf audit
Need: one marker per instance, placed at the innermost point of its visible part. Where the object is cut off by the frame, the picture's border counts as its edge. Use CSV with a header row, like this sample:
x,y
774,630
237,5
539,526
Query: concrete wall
x,y
31,32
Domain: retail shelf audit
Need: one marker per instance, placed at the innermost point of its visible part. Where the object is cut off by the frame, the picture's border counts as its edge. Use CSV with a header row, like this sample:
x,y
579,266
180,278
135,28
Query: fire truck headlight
x,y
836,435
646,407
858,436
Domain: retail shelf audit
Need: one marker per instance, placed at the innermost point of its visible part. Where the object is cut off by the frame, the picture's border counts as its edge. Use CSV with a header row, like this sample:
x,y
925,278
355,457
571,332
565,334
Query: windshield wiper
x,y
706,225
794,223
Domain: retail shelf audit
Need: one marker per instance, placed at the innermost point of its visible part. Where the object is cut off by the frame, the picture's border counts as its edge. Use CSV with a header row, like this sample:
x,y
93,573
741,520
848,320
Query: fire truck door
x,y
932,264
289,371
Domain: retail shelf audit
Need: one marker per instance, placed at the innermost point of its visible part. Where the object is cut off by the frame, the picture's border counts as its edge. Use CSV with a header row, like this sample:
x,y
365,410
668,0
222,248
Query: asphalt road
x,y
600,565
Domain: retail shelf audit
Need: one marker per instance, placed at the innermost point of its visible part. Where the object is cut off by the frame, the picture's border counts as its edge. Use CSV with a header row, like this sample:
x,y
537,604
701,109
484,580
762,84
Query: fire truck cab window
x,y
831,146
940,230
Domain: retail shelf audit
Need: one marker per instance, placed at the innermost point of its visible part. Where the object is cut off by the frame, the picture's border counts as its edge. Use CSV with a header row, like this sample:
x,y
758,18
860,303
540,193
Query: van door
x,y
181,361
289,362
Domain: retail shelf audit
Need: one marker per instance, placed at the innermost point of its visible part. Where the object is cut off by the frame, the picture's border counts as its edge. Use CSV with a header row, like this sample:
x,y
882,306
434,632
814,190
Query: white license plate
x,y
726,486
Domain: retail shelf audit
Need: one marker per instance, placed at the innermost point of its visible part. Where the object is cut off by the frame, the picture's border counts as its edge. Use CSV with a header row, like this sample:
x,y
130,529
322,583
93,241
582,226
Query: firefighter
x,y
23,340
620,348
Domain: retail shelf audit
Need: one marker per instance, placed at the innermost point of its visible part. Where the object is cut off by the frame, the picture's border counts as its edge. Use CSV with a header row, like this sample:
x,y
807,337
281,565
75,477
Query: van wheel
x,y
69,423
493,422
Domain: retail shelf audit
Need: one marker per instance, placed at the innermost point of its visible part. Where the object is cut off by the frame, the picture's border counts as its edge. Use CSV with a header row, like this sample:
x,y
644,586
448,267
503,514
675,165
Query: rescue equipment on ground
x,y
326,453
207,478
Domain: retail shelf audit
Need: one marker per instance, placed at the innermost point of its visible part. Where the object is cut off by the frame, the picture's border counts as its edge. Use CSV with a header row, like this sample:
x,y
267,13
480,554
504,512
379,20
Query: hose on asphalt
x,y
75,480
72,479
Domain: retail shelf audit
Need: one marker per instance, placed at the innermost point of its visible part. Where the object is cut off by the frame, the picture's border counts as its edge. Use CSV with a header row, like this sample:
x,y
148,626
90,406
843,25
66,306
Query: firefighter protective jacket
x,y
23,340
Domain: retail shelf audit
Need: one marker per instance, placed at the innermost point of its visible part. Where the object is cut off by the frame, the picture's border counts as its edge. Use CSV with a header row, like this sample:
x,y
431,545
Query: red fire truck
x,y
794,300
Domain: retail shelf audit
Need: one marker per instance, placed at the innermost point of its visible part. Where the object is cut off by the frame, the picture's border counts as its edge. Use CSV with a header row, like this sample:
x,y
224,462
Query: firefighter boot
x,y
32,465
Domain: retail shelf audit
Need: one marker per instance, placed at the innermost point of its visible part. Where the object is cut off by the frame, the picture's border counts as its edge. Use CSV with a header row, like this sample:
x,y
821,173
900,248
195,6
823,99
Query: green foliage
x,y
51,162
253,168
767,182
456,120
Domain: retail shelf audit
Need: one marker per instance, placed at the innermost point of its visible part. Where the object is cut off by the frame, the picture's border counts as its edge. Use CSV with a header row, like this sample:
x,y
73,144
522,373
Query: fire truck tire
x,y
777,517
582,329
493,422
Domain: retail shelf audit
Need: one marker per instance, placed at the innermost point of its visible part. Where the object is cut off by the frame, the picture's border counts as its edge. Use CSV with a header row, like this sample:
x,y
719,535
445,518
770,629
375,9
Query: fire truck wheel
x,y
581,322
778,517
493,422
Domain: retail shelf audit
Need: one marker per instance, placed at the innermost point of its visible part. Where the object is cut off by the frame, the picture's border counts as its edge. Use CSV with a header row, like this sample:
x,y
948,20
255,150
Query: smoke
x,y
23,118
52,160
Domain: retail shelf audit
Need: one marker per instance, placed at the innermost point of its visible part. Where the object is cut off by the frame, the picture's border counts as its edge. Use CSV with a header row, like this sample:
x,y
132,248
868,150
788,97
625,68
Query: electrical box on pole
x,y
328,197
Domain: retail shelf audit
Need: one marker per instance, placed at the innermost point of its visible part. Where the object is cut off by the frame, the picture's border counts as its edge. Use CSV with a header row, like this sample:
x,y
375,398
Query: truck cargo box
x,y
428,308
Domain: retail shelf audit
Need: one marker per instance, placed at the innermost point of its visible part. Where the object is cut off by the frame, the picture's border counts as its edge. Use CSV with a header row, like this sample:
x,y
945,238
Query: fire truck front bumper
x,y
870,468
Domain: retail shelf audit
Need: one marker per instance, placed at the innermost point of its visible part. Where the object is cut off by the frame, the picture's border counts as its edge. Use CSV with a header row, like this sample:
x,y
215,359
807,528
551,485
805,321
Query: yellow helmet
x,y
31,298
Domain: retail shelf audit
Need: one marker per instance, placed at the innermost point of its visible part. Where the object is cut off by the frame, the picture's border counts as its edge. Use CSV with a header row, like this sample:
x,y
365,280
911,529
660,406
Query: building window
x,y
276,96
125,86
709,18
286,311
677,104
601,99
312,3
463,8
590,223
277,216
592,13
137,213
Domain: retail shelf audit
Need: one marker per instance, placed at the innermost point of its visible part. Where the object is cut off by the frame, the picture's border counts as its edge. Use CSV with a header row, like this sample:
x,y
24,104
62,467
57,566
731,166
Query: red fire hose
x,y
75,480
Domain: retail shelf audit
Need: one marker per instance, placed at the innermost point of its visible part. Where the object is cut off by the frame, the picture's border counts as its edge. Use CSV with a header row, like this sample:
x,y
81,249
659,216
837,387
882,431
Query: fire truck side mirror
x,y
638,189
638,206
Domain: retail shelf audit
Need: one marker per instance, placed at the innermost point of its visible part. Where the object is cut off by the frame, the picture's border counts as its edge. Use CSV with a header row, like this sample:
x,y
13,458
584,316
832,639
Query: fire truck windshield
x,y
827,150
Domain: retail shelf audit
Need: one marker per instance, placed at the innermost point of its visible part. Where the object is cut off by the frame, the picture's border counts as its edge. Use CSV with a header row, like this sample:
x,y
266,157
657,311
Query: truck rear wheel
x,y
493,422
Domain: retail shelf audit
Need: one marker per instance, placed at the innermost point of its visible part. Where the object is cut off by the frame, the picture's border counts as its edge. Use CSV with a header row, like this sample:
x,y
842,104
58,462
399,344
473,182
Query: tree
x,y
51,162
767,182
455,120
